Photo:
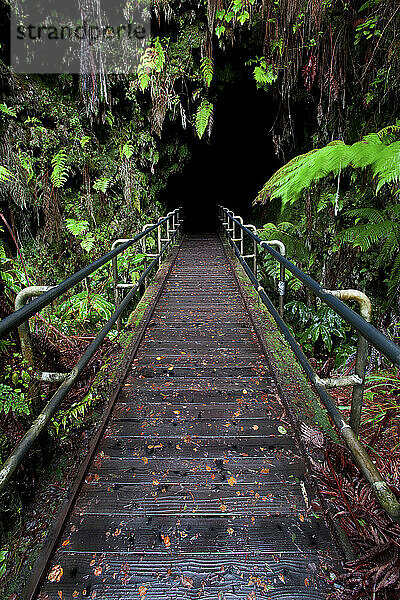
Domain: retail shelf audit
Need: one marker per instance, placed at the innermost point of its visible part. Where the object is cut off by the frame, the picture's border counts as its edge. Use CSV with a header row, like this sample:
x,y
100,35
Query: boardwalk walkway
x,y
197,488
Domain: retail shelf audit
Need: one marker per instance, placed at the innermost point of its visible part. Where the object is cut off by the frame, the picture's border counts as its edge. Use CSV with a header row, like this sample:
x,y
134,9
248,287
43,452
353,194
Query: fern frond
x,y
207,70
372,214
159,56
60,166
387,165
127,150
7,110
394,279
390,247
76,227
348,235
394,211
102,184
298,174
389,134
5,174
153,59
145,67
372,233
203,115
265,75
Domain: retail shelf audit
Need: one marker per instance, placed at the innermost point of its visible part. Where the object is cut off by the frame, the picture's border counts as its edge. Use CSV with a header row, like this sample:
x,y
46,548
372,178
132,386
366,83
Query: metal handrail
x,y
21,315
375,337
380,487
19,452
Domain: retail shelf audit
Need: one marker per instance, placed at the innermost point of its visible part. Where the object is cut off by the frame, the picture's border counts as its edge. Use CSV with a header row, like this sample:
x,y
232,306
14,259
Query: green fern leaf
x,y
60,166
6,110
88,242
264,75
292,179
102,184
394,279
5,174
159,56
207,70
127,150
203,116
371,214
76,227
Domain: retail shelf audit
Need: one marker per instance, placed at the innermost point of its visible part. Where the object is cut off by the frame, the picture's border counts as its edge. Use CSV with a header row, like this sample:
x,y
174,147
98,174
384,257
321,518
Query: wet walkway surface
x,y
197,489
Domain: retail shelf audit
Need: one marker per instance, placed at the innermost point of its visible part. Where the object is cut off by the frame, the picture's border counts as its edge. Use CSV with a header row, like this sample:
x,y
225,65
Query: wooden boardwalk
x,y
197,489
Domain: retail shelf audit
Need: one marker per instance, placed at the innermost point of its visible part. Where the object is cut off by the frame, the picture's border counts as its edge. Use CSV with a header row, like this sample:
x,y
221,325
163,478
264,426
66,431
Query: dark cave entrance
x,y
231,168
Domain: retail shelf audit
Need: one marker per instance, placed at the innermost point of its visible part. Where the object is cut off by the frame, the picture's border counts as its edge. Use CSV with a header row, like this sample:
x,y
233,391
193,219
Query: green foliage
x,y
373,151
14,387
207,69
102,184
6,110
202,118
152,60
379,228
71,417
367,29
79,229
60,166
237,11
5,174
264,74
85,309
312,325
3,562
13,399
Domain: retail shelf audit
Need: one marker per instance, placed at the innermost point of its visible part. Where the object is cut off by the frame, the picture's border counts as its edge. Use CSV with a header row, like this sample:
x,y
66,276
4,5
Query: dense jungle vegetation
x,y
85,160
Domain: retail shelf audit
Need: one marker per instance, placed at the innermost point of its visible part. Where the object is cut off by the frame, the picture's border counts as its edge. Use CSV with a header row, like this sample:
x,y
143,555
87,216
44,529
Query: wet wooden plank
x,y
129,427
191,535
231,577
246,470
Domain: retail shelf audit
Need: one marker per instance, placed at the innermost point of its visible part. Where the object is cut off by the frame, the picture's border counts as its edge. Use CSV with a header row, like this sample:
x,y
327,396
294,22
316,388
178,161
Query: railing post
x,y
361,356
282,279
159,242
253,228
114,266
26,344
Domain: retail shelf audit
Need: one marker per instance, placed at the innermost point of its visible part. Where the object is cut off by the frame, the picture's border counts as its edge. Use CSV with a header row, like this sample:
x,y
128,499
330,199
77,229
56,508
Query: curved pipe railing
x,y
380,487
22,315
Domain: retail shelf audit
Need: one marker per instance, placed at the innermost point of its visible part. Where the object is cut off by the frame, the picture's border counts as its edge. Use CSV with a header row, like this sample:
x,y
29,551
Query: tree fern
x,y
60,166
302,171
203,116
207,70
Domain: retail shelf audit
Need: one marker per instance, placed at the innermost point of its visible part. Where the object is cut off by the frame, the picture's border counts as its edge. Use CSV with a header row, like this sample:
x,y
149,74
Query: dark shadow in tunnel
x,y
232,167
